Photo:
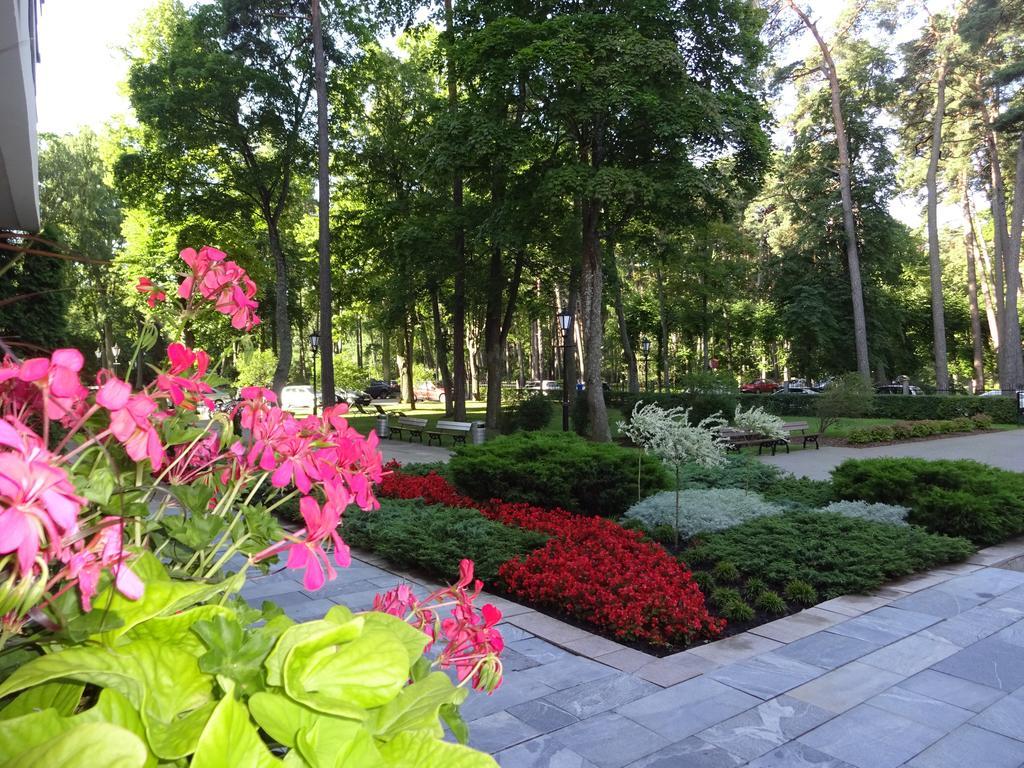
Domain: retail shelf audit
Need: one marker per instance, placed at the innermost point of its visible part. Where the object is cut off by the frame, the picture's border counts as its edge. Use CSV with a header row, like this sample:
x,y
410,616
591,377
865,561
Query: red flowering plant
x,y
121,511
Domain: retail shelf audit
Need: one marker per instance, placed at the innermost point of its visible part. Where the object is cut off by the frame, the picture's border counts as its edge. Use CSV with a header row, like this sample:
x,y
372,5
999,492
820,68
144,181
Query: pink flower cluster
x,y
223,282
151,292
473,643
50,386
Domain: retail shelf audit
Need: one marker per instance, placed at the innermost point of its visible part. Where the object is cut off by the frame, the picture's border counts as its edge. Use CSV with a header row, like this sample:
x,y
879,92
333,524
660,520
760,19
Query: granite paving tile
x,y
567,672
846,686
938,602
969,746
542,752
593,646
1012,634
799,625
308,610
357,601
827,649
588,699
766,675
514,661
674,669
691,753
919,581
542,715
868,737
536,648
972,625
689,707
953,690
854,605
797,755
514,690
257,590
986,583
628,659
1006,716
292,598
765,727
911,654
885,625
610,740
921,709
547,627
510,633
990,662
499,731
735,648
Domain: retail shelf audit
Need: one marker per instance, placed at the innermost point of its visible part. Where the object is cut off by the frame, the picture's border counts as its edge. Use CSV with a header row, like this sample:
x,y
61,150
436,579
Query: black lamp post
x,y
565,323
314,344
645,345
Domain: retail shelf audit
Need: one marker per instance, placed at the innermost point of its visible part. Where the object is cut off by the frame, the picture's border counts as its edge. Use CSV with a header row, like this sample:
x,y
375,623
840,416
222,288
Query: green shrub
x,y
534,413
726,571
1003,410
255,368
753,588
881,433
865,510
552,469
663,533
921,428
982,421
632,524
731,605
580,415
964,424
722,596
701,510
859,436
848,396
701,404
769,602
903,430
800,491
705,581
800,592
833,554
737,472
421,469
959,498
436,538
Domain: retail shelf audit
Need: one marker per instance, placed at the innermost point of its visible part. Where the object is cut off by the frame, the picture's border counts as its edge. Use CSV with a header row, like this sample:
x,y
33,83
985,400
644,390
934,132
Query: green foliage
x,y
726,571
348,375
701,404
800,592
753,588
436,538
701,510
730,605
737,472
880,513
705,581
534,413
882,433
420,469
959,498
1002,410
580,415
771,603
255,368
663,533
552,469
849,396
835,555
191,683
802,491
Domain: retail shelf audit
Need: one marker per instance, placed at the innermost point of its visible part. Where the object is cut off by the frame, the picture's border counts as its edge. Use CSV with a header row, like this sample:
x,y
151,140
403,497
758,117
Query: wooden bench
x,y
413,426
801,427
457,430
738,439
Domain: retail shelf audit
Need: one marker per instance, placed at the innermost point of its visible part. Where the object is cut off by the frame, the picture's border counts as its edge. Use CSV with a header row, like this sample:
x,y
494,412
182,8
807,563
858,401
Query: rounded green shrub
x,y
982,420
705,581
534,413
662,533
753,588
553,469
963,424
726,571
722,596
903,430
771,603
737,612
800,592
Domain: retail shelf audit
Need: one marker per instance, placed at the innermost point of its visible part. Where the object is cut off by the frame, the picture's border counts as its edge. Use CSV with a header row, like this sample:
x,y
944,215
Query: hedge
x,y
1003,409
702,404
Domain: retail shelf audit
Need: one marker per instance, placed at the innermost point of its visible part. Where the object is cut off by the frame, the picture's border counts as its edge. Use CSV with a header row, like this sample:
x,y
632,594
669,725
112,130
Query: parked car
x,y
759,387
996,393
897,389
299,397
353,397
794,390
547,385
380,389
428,390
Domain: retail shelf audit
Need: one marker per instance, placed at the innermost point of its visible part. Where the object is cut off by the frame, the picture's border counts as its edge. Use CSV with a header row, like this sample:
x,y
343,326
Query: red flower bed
x,y
590,568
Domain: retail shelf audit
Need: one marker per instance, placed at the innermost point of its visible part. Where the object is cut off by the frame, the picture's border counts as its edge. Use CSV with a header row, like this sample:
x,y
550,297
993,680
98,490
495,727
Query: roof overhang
x,y
19,153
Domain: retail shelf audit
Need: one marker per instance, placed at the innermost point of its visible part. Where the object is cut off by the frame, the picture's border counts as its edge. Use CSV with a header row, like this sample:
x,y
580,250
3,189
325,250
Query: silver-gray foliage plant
x,y
879,513
702,510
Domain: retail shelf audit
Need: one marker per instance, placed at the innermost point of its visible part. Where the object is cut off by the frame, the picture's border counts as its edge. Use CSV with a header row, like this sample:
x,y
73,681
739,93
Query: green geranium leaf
x,y
62,697
334,671
419,749
196,531
230,739
176,630
234,653
98,486
281,717
453,719
416,707
85,746
331,743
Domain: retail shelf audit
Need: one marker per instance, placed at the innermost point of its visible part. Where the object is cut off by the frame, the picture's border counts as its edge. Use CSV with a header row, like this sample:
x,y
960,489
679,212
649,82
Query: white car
x,y
299,397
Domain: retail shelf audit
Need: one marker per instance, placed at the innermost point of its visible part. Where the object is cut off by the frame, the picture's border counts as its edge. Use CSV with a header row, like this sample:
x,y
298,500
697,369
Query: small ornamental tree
x,y
849,396
670,436
760,422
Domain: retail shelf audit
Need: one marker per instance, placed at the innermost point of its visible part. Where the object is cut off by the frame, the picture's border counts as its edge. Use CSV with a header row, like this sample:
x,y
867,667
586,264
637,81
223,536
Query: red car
x,y
759,387
428,390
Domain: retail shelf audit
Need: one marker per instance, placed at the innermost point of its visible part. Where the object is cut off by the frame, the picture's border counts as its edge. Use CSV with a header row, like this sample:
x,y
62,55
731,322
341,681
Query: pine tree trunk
x,y
385,354
987,280
282,324
591,284
972,298
407,337
324,213
663,340
935,264
628,352
441,348
1014,360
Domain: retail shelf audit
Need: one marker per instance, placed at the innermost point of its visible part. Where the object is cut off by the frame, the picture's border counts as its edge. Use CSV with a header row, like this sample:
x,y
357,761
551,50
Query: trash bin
x,y
383,429
478,433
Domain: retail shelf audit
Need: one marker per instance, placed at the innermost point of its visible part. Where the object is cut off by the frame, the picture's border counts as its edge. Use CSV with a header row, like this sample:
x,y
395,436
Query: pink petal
x,y
185,289
9,436
68,358
128,584
63,510
113,395
34,369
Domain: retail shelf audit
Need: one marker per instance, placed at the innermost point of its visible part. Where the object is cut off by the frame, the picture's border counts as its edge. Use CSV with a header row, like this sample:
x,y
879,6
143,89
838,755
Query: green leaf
x,y
176,630
22,733
234,653
300,633
281,717
334,671
416,707
85,746
332,743
62,697
113,708
99,485
230,739
417,749
453,719
413,639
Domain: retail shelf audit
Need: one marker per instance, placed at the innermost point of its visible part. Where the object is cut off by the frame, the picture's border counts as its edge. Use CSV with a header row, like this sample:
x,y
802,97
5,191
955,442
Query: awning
x,y
19,152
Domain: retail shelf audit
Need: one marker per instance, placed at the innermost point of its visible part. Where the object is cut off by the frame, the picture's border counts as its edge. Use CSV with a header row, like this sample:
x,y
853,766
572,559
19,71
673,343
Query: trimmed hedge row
x,y
701,404
905,430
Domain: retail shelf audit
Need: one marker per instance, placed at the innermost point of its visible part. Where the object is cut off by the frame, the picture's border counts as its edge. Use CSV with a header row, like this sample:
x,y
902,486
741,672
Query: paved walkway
x,y
927,672
1000,449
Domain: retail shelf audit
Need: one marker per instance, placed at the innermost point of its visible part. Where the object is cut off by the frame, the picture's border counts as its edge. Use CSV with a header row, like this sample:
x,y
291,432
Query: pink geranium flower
x,y
54,381
104,552
321,524
131,421
38,504
174,384
152,293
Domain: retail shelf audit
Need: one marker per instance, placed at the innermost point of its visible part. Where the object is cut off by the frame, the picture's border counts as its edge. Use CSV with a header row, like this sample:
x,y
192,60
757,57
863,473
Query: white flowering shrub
x,y
760,422
879,513
702,510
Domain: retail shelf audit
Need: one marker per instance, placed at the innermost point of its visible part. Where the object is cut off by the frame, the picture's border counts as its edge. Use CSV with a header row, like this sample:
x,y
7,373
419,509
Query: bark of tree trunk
x,y
972,297
385,354
860,327
441,347
591,283
324,184
632,376
473,347
492,337
407,336
663,341
536,345
282,324
1014,361
987,280
935,265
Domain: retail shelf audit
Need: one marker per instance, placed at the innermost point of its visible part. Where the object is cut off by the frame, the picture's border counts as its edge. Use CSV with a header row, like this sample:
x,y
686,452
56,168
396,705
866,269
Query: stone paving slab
x,y
765,727
799,625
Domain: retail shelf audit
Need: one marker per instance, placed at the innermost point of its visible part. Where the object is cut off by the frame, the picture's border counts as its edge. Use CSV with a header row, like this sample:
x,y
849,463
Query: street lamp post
x,y
645,345
565,323
314,345
117,354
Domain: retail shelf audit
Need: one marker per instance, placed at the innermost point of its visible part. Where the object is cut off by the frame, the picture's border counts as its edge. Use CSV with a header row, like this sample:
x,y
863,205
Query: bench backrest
x,y
795,425
408,421
455,426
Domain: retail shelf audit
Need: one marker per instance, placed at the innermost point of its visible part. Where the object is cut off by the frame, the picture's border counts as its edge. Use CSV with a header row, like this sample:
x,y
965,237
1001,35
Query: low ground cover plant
x,y
702,510
832,554
865,510
905,430
555,469
736,472
959,498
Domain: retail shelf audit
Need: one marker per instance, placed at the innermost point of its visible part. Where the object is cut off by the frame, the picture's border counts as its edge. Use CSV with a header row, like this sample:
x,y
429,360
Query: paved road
x,y
1000,449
